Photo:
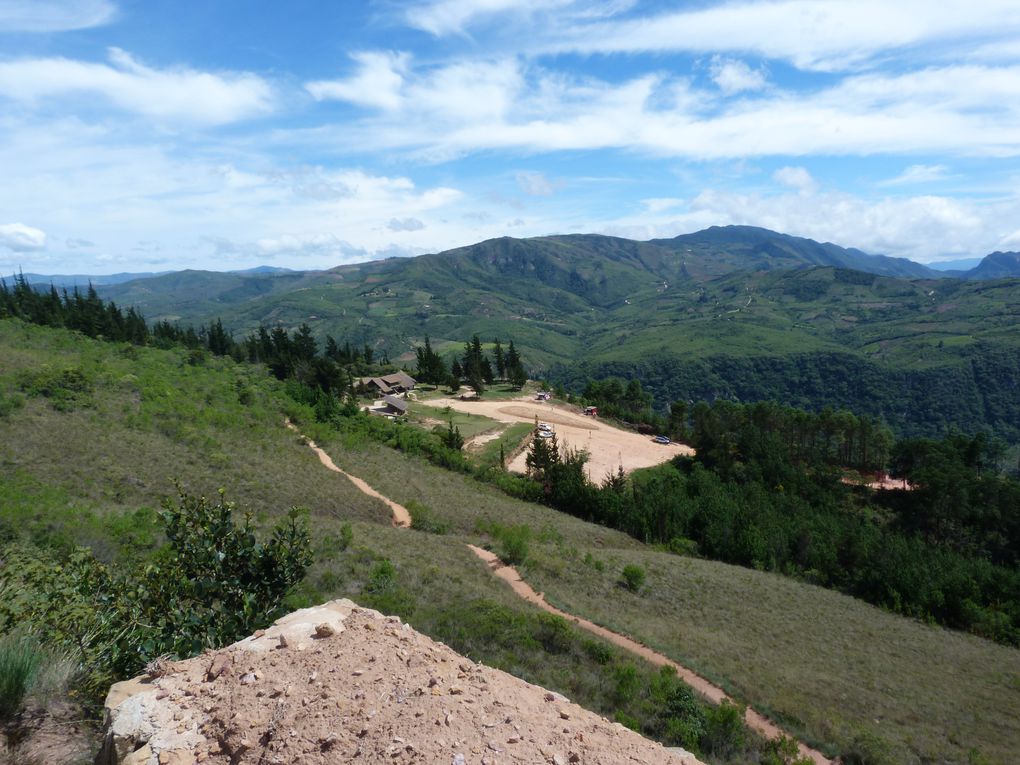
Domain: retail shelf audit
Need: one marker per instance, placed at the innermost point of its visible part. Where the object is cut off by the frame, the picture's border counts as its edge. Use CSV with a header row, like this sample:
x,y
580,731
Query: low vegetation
x,y
709,615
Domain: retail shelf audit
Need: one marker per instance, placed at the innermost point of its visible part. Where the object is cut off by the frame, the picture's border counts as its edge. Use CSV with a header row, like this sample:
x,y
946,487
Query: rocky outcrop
x,y
338,683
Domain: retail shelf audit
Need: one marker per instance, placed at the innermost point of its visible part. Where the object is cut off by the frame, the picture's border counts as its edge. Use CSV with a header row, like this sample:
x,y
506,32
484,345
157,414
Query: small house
x,y
388,385
393,407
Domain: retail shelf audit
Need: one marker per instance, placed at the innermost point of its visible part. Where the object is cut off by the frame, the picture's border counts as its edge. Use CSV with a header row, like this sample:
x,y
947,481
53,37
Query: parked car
x,y
661,440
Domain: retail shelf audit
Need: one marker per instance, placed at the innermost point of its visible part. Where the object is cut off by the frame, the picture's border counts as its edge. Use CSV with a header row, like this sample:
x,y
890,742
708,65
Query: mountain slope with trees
x,y
735,312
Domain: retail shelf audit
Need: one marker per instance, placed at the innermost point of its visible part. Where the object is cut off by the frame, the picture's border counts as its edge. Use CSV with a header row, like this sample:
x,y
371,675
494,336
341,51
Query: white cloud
x,y
54,15
659,204
506,104
177,94
405,224
21,238
377,83
534,184
917,174
923,228
795,177
811,34
733,76
75,243
446,17
318,244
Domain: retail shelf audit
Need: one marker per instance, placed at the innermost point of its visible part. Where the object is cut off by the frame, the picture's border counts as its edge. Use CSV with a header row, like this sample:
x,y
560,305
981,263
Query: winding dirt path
x,y
712,692
715,694
401,517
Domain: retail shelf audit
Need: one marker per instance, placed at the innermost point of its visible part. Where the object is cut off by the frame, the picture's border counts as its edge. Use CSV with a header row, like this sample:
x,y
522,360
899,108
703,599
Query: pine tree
x,y
499,358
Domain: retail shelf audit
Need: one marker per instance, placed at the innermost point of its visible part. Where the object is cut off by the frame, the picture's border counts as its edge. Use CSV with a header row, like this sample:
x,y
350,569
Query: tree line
x,y
473,367
766,490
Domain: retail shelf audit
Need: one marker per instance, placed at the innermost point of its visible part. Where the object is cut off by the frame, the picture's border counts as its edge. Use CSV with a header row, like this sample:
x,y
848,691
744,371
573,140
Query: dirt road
x,y
608,447
710,691
715,694
401,517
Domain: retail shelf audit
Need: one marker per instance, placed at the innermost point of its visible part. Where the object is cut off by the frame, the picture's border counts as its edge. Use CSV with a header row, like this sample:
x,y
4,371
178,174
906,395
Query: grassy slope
x,y
828,664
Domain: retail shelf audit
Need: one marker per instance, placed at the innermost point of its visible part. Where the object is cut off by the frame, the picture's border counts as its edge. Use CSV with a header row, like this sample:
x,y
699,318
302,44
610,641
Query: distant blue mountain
x,y
105,280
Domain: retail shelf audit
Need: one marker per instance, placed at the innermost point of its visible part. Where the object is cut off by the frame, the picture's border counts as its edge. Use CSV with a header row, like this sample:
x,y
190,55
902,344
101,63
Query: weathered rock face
x,y
338,683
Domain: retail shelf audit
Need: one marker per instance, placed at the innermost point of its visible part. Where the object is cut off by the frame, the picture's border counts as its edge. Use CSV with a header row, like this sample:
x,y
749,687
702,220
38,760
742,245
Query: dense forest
x,y
978,393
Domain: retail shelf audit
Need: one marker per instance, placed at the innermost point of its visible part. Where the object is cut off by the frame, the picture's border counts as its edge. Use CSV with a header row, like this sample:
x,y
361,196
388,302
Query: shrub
x,y
423,519
725,734
553,633
384,593
633,577
513,543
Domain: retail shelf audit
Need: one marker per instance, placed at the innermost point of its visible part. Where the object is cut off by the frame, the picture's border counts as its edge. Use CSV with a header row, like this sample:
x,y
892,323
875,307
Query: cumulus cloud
x,y
54,15
795,177
376,83
21,238
534,184
733,76
405,224
177,94
924,228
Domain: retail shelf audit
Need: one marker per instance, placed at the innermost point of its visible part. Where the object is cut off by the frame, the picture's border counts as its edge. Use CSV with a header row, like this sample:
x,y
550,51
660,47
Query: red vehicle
x,y
591,411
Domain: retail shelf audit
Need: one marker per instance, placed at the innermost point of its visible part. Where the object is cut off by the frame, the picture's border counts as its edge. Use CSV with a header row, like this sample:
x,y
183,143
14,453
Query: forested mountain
x,y
733,312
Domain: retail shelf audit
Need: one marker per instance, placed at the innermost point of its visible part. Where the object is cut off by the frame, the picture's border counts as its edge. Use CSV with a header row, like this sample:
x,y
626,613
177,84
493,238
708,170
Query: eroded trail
x,y
401,517
715,694
707,689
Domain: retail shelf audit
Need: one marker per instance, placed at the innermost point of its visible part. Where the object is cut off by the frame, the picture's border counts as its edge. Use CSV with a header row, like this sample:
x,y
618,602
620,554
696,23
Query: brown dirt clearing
x,y
608,447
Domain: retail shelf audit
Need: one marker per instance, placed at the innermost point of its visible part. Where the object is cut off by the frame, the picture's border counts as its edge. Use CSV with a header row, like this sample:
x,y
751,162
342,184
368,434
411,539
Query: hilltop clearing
x,y
609,448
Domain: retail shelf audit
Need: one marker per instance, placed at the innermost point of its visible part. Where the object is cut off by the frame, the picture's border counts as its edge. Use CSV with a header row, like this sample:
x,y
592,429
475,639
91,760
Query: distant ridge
x,y
104,280
769,249
998,265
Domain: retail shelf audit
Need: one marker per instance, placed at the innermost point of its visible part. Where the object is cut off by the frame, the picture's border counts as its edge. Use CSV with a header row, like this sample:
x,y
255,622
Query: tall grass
x,y
21,658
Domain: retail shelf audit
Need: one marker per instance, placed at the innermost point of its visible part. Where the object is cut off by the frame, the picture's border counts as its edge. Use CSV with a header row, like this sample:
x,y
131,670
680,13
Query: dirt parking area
x,y
608,447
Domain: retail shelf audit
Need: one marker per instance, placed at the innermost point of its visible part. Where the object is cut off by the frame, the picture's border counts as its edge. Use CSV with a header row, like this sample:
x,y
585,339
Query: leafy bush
x,y
384,592
10,404
424,519
513,543
213,583
65,389
633,577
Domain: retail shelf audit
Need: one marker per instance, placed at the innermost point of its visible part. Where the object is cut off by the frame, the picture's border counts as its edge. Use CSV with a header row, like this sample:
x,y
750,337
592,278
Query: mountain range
x,y
736,312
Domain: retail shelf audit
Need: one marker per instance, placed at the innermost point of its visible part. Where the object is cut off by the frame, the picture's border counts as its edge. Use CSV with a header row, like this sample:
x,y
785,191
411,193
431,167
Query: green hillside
x,y
736,312
92,434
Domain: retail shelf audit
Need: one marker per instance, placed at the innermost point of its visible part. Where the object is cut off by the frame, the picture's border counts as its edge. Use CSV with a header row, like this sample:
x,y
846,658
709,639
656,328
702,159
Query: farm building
x,y
387,385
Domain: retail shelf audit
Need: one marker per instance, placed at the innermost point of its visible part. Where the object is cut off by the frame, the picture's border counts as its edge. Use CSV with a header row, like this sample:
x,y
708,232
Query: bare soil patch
x,y
608,447
339,684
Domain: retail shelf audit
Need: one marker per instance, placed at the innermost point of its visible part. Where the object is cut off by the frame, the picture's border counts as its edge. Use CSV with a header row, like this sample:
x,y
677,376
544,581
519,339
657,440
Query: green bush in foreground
x,y
215,582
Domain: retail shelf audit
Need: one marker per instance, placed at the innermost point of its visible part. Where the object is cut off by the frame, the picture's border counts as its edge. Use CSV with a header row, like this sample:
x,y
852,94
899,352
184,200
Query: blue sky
x,y
141,135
